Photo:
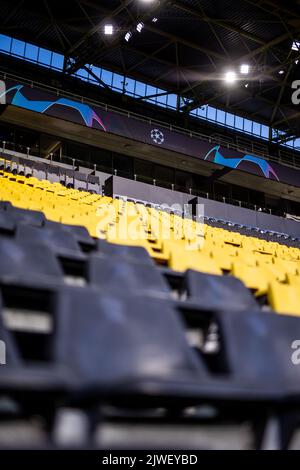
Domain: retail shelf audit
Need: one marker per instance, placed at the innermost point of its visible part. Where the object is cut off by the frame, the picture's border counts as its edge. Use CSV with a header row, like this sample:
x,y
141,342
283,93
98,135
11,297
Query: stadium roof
x,y
184,47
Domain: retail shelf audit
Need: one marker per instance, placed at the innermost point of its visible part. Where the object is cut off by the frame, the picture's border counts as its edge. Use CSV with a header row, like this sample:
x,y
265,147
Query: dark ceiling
x,y
187,51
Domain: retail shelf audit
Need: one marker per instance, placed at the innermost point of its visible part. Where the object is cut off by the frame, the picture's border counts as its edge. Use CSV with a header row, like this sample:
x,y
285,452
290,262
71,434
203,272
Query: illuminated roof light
x,y
128,36
245,69
230,77
108,30
139,27
281,72
296,46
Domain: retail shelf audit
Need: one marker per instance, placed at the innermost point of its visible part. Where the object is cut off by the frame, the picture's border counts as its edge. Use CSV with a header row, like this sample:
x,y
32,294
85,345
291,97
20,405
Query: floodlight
x,y
230,77
108,30
140,27
245,69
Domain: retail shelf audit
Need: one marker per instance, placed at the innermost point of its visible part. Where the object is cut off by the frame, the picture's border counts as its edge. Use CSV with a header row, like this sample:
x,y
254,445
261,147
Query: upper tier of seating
x,y
269,269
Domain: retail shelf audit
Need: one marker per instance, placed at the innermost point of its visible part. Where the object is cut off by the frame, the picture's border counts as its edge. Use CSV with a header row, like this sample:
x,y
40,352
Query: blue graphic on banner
x,y
236,161
86,112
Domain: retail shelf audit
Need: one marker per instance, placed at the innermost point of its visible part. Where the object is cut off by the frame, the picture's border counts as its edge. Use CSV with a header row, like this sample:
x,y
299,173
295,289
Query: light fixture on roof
x,y
140,27
244,69
154,20
297,61
128,36
108,30
281,72
230,77
246,85
296,46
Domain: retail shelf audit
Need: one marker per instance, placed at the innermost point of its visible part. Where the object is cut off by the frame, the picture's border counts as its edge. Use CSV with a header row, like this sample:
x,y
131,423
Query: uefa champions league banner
x,y
108,121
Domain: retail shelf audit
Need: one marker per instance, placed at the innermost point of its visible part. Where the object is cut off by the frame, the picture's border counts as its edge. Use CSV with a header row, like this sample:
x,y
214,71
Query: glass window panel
x,y
130,86
57,61
5,43
140,89
162,100
163,173
96,71
211,113
293,143
83,74
256,128
143,168
44,56
31,52
230,119
221,116
106,76
248,126
265,131
118,81
201,112
123,165
239,123
151,90
18,47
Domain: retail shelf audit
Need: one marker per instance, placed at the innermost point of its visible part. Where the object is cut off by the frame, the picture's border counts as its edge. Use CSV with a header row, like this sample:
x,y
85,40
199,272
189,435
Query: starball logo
x,y
296,92
2,353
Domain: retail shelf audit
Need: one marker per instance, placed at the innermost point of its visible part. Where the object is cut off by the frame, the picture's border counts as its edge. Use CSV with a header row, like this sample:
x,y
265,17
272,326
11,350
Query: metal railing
x,y
252,147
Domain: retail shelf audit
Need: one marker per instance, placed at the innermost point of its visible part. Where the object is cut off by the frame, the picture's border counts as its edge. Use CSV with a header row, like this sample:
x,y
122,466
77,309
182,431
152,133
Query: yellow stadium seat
x,y
285,298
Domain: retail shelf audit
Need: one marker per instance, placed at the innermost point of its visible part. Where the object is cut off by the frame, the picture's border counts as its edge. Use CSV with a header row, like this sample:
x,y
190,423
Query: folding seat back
x,y
7,223
30,217
61,242
28,261
118,275
258,351
113,341
218,292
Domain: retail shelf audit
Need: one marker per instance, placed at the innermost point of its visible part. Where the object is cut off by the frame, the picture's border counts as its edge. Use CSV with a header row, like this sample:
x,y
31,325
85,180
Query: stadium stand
x,y
173,329
130,318
266,267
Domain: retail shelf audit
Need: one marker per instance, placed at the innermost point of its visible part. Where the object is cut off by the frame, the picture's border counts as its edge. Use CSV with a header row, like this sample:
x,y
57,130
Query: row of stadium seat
x,y
270,270
267,235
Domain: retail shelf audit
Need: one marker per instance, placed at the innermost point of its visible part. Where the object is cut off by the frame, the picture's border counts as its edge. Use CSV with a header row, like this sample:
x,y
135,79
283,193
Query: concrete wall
x,y
117,186
146,192
239,215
